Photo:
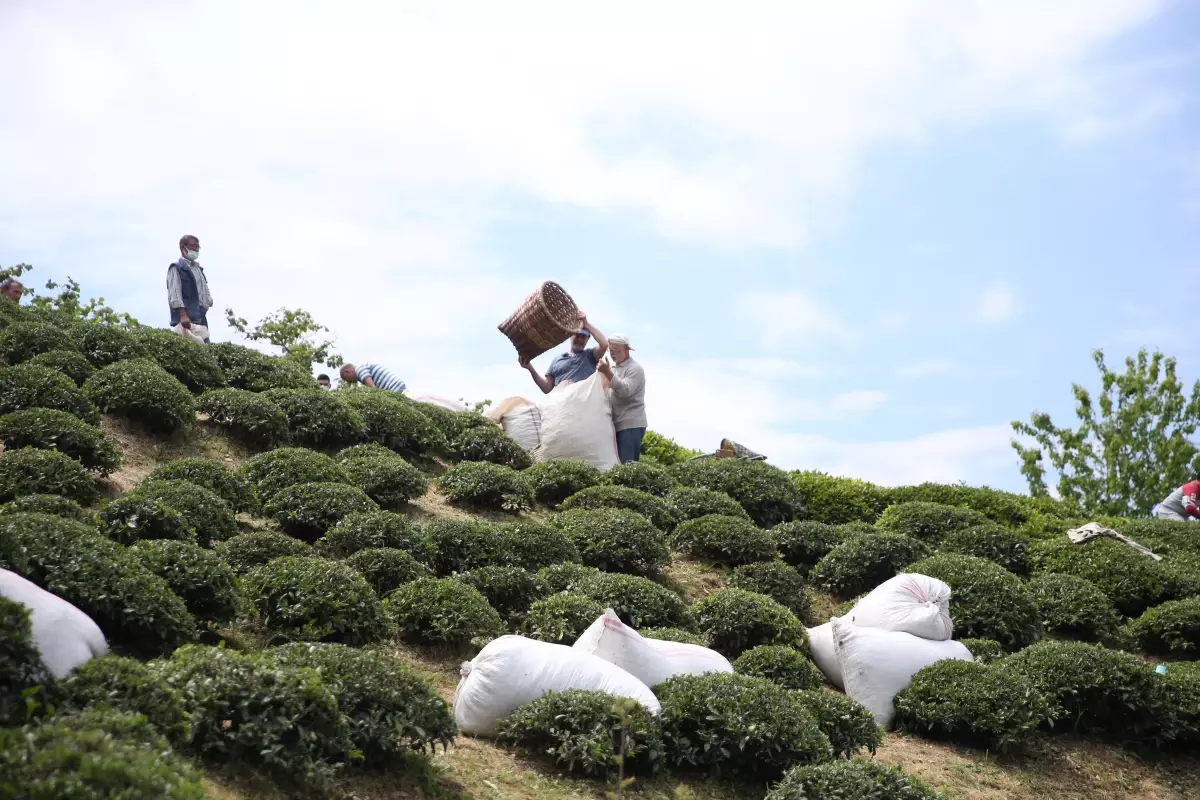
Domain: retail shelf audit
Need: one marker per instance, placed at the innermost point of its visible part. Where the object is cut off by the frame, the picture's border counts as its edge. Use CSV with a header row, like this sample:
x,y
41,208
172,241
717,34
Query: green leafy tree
x,y
69,300
294,331
1133,444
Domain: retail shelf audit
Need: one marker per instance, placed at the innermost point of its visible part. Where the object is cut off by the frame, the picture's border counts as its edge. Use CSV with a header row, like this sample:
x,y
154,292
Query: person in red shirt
x,y
1183,503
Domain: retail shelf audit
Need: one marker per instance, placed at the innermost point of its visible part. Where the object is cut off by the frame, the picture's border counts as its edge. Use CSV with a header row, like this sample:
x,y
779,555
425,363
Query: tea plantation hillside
x,y
290,579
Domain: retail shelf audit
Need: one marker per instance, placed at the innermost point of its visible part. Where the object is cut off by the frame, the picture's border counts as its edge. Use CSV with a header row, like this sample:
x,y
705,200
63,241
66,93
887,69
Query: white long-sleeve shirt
x,y
628,398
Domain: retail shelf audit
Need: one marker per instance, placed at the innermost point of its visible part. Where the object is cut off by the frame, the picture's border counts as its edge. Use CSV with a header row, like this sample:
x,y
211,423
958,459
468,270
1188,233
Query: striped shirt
x,y
383,378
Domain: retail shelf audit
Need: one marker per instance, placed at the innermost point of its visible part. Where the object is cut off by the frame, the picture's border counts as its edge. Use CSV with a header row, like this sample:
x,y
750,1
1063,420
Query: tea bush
x,y
69,362
230,486
200,577
1170,629
970,703
308,510
560,618
248,550
724,540
509,590
567,576
461,545
484,486
365,450
785,666
370,529
621,497
776,580
488,443
616,540
552,482
143,392
28,386
314,600
49,504
637,601
744,727
928,522
135,517
986,651
193,364
391,710
834,500
104,344
204,511
450,423
851,780
765,492
1132,581
674,635
249,417
272,472
134,607
389,480
847,723
23,340
803,544
992,541
1005,508
395,423
736,621
125,685
642,475
533,545
318,418
252,371
48,429
1072,607
252,709
586,732
688,503
986,600
30,471
21,666
443,611
387,568
864,561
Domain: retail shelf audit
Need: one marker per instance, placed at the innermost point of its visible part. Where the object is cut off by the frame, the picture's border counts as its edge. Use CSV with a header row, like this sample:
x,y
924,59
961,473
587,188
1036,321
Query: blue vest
x,y
191,295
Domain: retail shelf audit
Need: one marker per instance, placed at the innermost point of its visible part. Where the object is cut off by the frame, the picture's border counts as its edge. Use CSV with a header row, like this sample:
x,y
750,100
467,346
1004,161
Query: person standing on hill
x,y
1181,504
187,288
627,381
373,376
577,365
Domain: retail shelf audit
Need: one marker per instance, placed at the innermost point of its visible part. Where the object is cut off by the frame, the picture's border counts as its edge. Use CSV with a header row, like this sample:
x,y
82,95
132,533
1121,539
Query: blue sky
x,y
860,239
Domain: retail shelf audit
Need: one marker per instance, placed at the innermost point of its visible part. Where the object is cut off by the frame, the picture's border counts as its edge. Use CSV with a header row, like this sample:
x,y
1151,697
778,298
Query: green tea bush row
x,y
249,550
552,482
193,364
200,577
729,541
928,522
229,485
395,423
1072,607
616,540
560,618
21,667
785,666
387,478
27,386
248,417
802,544
986,600
272,472
776,580
834,500
1170,629
308,510
23,340
488,443
638,601
249,370
865,560
318,418
852,780
29,471
622,497
52,504
767,493
485,486
641,475
361,530
143,392
848,724
69,362
204,511
509,590
125,685
688,503
443,611
49,429
735,621
387,568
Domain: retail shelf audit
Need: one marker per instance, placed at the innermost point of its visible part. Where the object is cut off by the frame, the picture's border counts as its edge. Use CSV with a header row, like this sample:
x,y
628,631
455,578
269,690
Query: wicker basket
x,y
545,320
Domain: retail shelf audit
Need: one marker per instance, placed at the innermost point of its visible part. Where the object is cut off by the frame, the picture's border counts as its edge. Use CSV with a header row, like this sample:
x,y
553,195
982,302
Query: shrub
x,y
288,466
1072,607
23,340
389,480
736,620
864,561
233,488
649,506
747,727
489,443
986,600
310,599
461,545
136,517
125,685
248,550
252,709
642,475
317,418
724,540
365,450
586,732
200,577
985,651
253,371
928,522
48,429
1003,507
688,503
567,576
834,500
561,618
204,511
451,423
785,666
104,344
992,541
69,362
1179,719
21,666
396,424
387,568
1172,628
659,449
776,580
308,510
851,780
362,530
533,545
554,481
971,703
616,540
509,590
34,386
49,504
765,492
443,611
30,471
249,417
143,392
133,606
1132,581
803,544
484,486
637,601
847,723
192,363
391,710
674,635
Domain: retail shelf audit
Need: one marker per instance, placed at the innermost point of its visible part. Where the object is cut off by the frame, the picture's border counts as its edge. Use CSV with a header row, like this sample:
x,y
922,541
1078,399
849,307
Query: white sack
x,y
64,636
907,603
523,424
513,670
577,424
824,654
196,333
443,402
649,660
878,664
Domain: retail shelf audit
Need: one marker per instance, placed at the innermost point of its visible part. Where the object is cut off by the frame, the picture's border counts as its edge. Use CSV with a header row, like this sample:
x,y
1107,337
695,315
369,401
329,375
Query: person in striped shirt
x,y
374,376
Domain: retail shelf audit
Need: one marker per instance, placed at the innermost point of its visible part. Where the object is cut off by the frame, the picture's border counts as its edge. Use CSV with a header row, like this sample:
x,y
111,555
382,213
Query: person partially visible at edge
x,y
627,383
1182,503
323,381
12,289
187,288
374,376
577,365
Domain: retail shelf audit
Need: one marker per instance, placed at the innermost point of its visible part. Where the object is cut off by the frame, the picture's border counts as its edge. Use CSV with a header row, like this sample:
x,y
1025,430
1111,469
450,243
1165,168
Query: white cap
x,y
620,338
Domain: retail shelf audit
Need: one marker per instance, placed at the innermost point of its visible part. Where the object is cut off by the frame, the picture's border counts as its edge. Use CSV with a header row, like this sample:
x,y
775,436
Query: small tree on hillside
x,y
294,331
1133,444
68,301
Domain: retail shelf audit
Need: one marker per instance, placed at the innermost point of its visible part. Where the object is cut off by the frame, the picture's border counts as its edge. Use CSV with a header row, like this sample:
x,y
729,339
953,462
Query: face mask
x,y
192,255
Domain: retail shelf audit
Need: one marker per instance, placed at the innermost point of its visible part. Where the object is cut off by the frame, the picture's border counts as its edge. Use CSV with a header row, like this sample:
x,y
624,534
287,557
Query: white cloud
x,y
783,318
923,369
857,400
998,304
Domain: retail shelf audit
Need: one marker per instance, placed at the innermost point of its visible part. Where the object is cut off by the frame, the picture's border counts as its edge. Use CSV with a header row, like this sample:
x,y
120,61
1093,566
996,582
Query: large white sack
x,y
64,636
877,664
442,402
523,424
649,660
907,603
824,654
577,424
513,670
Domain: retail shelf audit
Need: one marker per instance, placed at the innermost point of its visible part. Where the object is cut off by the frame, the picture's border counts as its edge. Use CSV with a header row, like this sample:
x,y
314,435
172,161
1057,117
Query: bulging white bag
x,y
64,636
523,423
907,603
877,664
196,333
824,654
442,402
513,670
649,660
577,424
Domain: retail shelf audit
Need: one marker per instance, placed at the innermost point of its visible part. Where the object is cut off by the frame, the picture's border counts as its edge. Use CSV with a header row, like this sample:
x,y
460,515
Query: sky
x,y
859,237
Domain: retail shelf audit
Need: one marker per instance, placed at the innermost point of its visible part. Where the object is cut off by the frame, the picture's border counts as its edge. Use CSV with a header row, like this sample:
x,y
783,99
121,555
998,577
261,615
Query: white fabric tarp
x,y
64,636
649,660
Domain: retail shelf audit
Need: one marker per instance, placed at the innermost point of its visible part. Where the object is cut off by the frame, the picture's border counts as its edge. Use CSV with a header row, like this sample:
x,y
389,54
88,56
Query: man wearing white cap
x,y
627,380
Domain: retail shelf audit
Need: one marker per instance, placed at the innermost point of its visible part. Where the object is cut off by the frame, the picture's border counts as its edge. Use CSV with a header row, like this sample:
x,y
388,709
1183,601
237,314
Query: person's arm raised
x,y
544,382
601,342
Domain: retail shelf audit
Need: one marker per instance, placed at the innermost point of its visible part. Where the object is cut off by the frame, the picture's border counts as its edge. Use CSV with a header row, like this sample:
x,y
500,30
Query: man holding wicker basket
x,y
576,365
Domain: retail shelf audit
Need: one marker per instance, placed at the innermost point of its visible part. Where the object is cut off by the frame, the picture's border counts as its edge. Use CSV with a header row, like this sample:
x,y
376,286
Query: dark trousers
x,y
629,444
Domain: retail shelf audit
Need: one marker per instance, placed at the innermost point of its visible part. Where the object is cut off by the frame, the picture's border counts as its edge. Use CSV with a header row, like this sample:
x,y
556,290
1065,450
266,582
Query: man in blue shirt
x,y
576,365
